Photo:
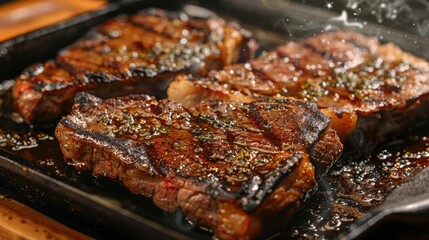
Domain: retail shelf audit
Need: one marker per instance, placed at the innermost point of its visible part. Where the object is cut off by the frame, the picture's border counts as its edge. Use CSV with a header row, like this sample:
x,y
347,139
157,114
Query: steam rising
x,y
343,19
309,27
408,13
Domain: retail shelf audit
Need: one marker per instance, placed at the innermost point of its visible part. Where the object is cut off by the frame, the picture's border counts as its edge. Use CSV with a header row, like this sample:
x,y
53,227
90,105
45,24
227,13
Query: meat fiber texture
x,y
140,53
229,166
368,90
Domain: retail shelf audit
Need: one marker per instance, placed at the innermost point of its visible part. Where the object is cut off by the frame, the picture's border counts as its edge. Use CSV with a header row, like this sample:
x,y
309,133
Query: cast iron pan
x,y
105,209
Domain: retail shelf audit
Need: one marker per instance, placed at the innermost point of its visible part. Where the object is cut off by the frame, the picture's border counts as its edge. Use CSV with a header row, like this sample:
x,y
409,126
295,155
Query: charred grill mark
x,y
87,100
262,75
328,57
254,191
150,28
38,73
136,155
301,123
311,121
98,77
91,40
217,189
34,70
197,30
82,76
144,72
67,67
256,117
359,46
41,86
212,135
300,63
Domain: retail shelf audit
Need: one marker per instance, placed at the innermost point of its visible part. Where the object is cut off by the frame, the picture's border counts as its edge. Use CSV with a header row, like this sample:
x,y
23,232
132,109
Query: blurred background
x,y
21,16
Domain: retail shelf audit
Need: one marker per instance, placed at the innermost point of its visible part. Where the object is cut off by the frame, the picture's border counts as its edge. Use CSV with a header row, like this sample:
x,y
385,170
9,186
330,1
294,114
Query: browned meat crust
x,y
229,166
129,54
364,87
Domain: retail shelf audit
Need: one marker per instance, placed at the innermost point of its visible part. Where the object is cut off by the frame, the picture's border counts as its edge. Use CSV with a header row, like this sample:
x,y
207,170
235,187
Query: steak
x,y
370,91
228,165
140,53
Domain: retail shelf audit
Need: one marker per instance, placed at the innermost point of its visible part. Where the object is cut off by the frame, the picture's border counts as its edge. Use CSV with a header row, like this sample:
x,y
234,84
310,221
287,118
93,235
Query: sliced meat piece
x,y
367,89
229,166
129,54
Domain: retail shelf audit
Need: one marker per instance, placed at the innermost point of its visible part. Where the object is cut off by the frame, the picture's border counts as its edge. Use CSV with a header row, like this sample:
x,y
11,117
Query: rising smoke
x,y
406,15
411,14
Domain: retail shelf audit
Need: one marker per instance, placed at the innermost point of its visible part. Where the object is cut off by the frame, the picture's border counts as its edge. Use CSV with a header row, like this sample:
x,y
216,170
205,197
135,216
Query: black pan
x,y
102,208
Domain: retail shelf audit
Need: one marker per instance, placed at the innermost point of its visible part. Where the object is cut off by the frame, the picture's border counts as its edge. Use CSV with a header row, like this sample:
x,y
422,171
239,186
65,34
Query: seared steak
x,y
129,54
229,166
368,90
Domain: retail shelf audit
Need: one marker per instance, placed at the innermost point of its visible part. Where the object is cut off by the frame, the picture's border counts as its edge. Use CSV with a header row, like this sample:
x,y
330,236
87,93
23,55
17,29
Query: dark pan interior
x,y
101,207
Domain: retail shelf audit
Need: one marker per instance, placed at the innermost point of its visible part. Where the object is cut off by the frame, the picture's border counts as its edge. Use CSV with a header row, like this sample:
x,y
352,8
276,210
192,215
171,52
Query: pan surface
x,y
31,163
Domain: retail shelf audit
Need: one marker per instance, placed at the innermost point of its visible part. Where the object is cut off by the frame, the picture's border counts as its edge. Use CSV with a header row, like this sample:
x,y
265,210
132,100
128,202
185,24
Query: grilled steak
x,y
228,166
368,90
129,54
